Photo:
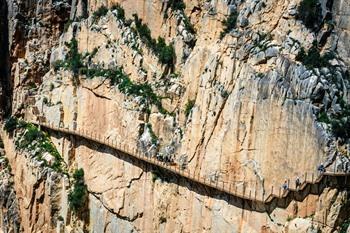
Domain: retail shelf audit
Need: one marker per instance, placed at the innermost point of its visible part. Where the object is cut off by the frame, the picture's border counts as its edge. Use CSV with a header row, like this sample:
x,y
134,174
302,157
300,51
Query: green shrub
x,y
78,195
33,140
143,30
323,117
74,57
176,5
188,26
310,13
66,25
32,133
102,11
344,226
179,5
154,137
229,23
313,59
340,122
165,53
125,85
10,124
224,94
120,12
188,107
94,51
73,60
58,64
116,76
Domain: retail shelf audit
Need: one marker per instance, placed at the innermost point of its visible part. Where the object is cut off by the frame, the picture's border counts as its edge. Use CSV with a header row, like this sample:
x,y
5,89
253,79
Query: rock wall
x,y
9,214
41,193
255,113
342,19
4,60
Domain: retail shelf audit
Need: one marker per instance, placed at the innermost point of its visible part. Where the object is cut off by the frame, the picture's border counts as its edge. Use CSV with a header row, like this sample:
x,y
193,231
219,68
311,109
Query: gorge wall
x,y
244,106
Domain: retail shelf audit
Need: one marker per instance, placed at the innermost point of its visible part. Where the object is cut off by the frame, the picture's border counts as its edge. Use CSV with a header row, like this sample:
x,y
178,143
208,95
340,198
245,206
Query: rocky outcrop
x,y
41,192
9,214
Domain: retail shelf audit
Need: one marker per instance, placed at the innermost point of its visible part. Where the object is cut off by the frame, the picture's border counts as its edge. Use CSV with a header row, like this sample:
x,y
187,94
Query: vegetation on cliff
x,y
101,11
165,53
313,59
36,142
179,6
339,121
188,107
310,13
229,23
116,76
77,197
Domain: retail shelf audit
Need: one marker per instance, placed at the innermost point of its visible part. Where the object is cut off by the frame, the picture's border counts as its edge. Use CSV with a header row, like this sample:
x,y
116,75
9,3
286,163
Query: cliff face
x,y
264,102
4,60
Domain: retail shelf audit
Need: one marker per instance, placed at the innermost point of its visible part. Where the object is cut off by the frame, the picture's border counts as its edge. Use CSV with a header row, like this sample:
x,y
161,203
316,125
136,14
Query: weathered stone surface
x,y
254,117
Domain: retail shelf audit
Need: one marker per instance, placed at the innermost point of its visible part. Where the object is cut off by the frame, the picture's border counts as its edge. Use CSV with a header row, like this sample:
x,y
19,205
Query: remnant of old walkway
x,y
274,197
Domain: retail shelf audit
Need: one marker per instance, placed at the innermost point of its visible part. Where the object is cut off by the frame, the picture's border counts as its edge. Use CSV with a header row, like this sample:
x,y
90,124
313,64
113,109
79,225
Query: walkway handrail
x,y
226,187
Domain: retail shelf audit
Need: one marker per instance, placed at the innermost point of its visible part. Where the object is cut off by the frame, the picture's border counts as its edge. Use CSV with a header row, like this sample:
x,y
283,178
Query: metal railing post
x,y
272,190
263,194
255,191
305,177
279,193
243,190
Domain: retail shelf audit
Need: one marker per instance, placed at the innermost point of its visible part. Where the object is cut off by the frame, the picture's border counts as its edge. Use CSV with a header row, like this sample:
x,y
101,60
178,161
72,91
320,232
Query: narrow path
x,y
278,197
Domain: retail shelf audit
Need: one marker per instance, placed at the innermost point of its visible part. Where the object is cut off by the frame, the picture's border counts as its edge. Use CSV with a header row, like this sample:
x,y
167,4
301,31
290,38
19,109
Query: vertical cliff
x,y
5,92
250,93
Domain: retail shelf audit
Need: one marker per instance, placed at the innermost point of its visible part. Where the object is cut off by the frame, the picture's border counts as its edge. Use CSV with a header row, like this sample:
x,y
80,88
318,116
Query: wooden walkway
x,y
243,191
